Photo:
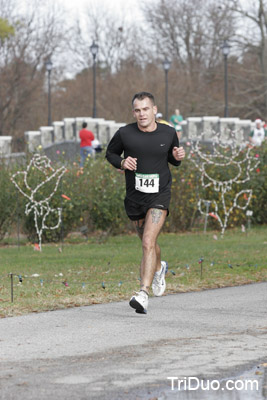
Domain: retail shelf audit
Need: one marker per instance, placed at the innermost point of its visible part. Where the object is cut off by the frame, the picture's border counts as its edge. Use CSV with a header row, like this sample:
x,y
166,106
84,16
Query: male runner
x,y
148,146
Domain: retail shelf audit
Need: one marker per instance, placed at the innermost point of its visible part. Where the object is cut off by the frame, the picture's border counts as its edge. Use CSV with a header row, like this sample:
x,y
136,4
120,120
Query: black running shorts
x,y
136,211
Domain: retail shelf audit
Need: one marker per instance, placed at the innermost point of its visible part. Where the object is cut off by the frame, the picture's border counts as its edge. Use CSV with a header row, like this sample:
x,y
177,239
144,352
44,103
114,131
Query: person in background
x,y
176,120
163,121
258,134
159,118
86,148
96,146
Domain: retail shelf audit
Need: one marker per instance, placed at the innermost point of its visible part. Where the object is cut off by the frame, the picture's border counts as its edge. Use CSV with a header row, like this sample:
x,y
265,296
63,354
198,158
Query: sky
x,y
127,11
131,9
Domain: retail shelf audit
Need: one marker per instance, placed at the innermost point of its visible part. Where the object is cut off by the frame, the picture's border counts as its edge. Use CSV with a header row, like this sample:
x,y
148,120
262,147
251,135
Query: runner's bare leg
x,y
140,226
148,230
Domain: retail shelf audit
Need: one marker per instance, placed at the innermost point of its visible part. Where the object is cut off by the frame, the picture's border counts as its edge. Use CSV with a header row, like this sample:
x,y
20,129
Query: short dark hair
x,y
84,124
142,96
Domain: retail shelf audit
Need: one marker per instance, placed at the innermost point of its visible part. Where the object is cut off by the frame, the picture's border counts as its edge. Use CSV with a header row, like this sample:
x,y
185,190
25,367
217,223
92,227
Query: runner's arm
x,y
175,143
114,150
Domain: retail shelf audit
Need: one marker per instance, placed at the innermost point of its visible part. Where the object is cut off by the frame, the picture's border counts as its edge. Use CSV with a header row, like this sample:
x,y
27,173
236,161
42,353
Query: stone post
x,y
68,125
33,140
47,135
243,128
194,127
227,127
92,125
58,131
5,145
104,131
210,126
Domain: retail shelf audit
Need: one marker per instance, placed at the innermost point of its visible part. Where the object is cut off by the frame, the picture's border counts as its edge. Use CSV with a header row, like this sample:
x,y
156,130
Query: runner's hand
x,y
130,163
178,153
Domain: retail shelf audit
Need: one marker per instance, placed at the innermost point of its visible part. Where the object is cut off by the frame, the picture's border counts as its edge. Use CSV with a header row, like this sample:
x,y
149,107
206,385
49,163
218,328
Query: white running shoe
x,y
159,283
139,302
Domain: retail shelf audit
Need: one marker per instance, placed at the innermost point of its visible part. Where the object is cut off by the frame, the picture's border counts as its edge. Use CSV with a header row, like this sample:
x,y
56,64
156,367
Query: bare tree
x,y
117,38
39,35
190,31
251,38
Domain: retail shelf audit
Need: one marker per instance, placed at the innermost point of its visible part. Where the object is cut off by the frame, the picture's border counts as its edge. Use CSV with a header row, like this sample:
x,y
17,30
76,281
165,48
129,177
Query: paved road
x,y
110,352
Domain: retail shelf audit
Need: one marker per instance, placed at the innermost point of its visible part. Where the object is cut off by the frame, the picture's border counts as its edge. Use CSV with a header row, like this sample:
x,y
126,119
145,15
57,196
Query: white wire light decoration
x,y
224,155
40,208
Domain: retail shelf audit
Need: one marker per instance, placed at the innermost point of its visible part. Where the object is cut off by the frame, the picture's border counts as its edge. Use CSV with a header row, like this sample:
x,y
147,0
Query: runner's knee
x,y
148,243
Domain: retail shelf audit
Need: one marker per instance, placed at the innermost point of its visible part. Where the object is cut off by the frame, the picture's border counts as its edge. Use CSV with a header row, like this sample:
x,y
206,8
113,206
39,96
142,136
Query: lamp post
x,y
94,51
225,51
166,66
49,66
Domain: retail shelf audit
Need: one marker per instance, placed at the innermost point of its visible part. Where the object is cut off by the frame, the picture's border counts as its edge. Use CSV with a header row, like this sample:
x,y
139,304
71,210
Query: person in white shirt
x,y
258,134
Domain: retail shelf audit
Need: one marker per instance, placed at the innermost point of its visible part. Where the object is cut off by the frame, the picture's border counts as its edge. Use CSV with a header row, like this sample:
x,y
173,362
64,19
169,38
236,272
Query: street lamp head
x,y
225,48
94,49
48,65
166,64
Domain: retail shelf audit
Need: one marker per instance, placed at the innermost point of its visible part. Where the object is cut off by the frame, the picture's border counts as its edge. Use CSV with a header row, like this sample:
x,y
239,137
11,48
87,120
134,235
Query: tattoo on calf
x,y
156,215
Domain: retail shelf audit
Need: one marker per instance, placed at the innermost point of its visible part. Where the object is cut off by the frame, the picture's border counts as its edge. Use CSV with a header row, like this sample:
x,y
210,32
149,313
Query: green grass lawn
x,y
90,272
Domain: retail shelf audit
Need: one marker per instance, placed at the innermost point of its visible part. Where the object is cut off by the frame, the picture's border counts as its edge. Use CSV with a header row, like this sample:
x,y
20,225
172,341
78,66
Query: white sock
x,y
143,291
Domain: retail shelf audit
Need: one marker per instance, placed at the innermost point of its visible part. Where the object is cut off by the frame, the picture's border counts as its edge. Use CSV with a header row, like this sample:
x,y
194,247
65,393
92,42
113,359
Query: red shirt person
x,y
86,147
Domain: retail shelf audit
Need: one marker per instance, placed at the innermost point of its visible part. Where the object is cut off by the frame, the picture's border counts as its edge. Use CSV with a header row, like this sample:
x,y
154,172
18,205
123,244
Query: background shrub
x,y
8,201
97,191
259,185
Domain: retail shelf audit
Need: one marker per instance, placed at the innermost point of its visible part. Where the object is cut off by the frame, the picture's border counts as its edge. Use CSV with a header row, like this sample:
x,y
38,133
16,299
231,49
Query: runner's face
x,y
145,112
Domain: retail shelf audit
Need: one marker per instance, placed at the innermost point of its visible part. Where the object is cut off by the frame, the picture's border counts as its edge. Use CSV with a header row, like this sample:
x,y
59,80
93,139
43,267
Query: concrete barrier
x,y
47,135
33,140
243,128
227,126
59,135
194,127
68,130
104,131
210,125
5,145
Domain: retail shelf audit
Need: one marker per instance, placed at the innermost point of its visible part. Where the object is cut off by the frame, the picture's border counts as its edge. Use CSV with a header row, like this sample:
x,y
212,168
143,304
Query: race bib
x,y
147,183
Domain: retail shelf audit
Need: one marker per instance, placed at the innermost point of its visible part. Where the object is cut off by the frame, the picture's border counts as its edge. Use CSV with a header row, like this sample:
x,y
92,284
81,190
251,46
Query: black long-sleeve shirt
x,y
153,151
